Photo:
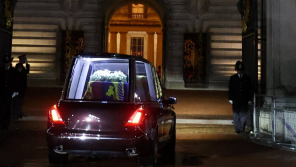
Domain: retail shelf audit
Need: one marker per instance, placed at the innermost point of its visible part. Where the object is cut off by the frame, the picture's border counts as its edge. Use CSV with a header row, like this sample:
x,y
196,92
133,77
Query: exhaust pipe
x,y
59,150
131,152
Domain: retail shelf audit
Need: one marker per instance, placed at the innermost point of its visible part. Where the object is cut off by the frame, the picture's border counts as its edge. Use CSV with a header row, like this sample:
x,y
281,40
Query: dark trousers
x,y
5,106
240,116
17,105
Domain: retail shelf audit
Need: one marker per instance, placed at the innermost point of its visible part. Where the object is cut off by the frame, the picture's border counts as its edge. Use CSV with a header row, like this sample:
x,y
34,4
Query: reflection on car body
x,y
111,105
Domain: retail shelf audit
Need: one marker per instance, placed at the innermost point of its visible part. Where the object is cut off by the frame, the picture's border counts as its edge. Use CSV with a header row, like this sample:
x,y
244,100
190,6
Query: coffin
x,y
107,91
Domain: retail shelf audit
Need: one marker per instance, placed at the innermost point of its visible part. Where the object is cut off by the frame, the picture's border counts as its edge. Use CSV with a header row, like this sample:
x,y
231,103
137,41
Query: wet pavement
x,y
205,145
26,147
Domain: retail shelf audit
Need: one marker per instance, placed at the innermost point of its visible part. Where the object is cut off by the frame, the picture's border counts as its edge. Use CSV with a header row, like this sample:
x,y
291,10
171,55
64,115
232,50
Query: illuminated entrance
x,y
136,29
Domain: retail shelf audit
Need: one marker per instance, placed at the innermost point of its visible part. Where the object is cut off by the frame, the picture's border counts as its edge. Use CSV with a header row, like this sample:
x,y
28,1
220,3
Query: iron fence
x,y
272,125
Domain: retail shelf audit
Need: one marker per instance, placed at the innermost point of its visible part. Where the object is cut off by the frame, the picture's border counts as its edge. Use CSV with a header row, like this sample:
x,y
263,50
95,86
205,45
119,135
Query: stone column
x,y
280,59
123,42
150,47
113,42
159,51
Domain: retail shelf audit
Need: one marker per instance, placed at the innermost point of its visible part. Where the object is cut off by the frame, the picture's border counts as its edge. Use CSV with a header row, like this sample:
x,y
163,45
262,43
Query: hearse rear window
x,y
99,79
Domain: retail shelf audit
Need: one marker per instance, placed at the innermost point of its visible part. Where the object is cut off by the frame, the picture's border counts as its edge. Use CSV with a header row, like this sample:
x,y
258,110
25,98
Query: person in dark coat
x,y
240,95
21,72
7,89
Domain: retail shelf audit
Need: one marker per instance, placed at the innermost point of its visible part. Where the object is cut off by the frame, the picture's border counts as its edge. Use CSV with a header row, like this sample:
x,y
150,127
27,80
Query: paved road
x,y
25,145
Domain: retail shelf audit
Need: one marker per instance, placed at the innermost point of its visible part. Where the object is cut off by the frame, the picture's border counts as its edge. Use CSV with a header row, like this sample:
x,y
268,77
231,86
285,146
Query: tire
x,y
57,159
150,160
169,148
168,151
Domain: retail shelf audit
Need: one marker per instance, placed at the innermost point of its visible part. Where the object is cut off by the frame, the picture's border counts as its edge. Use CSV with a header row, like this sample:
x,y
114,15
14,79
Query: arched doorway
x,y
136,29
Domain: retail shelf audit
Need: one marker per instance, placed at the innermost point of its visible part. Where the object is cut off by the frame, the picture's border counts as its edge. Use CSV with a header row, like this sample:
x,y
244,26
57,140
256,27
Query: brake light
x,y
135,118
55,116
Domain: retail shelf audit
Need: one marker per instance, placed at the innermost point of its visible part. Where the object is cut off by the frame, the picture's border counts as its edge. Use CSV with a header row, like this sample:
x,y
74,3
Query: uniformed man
x,y
21,73
240,94
7,89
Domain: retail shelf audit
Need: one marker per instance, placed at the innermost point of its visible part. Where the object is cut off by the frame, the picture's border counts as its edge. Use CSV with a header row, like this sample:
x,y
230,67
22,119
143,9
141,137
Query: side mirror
x,y
171,100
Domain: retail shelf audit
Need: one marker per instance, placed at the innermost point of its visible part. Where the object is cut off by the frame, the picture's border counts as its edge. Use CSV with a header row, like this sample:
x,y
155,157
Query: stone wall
x,y
281,50
218,18
38,24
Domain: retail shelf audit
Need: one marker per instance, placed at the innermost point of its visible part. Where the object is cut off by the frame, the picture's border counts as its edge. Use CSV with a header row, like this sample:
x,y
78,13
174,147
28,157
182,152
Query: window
x,y
157,83
137,11
137,46
145,90
99,79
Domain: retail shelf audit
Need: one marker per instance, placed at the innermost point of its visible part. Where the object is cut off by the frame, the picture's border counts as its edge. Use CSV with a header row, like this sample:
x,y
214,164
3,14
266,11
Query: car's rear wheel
x,y
168,151
57,159
169,148
151,158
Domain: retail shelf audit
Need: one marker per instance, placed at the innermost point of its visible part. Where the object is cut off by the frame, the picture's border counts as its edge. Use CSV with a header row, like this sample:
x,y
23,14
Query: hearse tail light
x,y
55,116
135,119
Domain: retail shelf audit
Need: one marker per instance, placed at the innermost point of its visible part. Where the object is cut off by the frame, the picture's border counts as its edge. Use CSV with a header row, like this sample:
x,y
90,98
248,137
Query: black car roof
x,y
110,55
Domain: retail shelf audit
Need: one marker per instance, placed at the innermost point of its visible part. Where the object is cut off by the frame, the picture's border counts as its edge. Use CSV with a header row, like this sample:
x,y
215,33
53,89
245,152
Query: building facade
x,y
195,42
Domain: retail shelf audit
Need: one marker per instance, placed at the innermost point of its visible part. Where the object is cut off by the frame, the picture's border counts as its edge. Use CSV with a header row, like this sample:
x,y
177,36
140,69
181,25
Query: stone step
x,y
194,129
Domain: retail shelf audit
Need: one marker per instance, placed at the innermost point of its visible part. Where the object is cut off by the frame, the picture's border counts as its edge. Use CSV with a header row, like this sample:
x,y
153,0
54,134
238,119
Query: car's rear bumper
x,y
98,144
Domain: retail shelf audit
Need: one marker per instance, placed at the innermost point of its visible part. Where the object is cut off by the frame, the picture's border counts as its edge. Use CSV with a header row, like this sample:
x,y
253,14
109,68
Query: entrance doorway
x,y
136,29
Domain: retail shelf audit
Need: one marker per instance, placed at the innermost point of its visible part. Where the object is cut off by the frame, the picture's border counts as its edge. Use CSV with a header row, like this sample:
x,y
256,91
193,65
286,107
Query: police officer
x,y
240,94
7,89
21,73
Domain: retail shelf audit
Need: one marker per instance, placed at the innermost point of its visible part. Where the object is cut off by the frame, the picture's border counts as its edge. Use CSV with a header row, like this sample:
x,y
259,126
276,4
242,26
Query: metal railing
x,y
273,126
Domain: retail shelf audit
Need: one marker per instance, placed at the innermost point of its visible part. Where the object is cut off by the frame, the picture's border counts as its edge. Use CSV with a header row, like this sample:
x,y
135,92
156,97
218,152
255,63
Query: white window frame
x,y
131,34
